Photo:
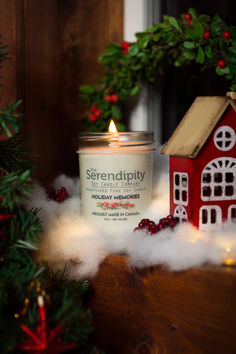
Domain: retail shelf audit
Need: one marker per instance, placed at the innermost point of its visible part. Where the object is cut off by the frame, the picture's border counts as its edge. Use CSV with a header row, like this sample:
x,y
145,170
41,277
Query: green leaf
x,y
233,87
116,112
232,50
120,127
189,55
222,71
86,89
189,45
216,29
143,43
198,29
178,62
134,90
156,36
208,52
200,56
174,23
193,12
134,49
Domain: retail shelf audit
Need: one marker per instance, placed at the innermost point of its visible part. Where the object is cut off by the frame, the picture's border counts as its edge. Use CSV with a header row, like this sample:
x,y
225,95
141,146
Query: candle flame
x,y
112,127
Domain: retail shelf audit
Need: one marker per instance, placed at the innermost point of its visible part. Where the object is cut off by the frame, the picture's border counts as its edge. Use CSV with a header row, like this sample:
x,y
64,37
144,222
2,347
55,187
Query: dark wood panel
x,y
8,33
54,49
157,311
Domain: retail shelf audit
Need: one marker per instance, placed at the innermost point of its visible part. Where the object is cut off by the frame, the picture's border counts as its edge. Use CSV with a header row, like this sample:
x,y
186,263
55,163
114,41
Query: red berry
x,y
92,117
151,223
226,34
207,34
172,223
114,97
141,225
107,98
98,113
221,63
170,217
125,46
94,108
137,228
188,16
144,221
160,227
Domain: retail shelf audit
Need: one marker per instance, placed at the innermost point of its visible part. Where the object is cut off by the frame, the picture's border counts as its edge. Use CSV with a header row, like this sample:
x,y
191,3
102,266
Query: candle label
x,y
115,189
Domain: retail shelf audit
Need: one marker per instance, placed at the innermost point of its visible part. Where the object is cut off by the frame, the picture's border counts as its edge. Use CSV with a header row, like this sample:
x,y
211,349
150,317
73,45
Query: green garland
x,y
200,39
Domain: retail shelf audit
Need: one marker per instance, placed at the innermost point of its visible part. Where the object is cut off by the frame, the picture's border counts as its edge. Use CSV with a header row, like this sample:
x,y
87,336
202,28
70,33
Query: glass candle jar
x,y
116,178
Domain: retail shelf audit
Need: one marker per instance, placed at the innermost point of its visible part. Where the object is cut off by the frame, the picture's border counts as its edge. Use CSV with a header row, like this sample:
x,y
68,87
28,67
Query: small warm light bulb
x,y
112,127
228,249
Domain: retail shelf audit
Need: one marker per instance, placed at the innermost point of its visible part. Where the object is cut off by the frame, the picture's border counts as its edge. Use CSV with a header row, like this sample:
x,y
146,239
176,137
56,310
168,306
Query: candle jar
x,y
116,178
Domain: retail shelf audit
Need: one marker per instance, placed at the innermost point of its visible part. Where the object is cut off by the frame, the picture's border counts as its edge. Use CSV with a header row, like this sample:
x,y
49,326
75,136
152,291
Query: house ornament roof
x,y
196,126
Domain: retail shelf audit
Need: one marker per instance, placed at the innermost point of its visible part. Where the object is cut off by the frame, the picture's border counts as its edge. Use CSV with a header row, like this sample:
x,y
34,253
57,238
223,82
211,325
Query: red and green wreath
x,y
200,39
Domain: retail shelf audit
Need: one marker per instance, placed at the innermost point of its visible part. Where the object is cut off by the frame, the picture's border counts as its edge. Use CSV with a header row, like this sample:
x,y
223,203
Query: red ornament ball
x,y
188,16
226,35
221,63
207,34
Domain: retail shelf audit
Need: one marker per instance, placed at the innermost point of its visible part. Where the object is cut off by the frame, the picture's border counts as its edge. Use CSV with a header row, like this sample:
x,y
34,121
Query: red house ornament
x,y
202,162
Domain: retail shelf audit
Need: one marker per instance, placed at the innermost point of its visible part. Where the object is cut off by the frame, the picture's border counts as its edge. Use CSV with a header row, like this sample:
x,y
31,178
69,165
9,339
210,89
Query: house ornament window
x,y
180,214
210,217
180,188
224,138
218,180
232,214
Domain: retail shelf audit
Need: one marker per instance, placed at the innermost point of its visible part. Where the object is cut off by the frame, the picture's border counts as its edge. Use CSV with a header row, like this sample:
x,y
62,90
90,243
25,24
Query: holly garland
x,y
193,38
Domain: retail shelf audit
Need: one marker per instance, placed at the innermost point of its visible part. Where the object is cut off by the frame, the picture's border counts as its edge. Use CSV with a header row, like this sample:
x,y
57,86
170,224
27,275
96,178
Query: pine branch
x,y
14,155
14,187
10,119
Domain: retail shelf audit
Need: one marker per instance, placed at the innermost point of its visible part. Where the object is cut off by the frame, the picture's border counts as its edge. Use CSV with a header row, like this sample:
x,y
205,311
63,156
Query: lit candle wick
x,y
114,134
112,127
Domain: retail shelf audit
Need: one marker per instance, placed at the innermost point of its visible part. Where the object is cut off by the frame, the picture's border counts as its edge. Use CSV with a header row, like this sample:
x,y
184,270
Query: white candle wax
x,y
116,179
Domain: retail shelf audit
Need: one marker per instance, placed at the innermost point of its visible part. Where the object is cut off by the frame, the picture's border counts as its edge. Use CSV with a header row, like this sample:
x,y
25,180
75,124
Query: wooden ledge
x,y
154,310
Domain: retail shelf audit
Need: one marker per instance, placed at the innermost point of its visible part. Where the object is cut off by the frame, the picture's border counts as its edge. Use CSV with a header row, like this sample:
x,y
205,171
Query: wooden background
x,y
53,48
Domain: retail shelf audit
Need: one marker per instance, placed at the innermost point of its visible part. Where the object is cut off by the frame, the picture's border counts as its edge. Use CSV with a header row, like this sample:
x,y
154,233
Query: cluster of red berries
x,y
125,46
189,19
111,98
149,225
59,196
207,34
94,114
